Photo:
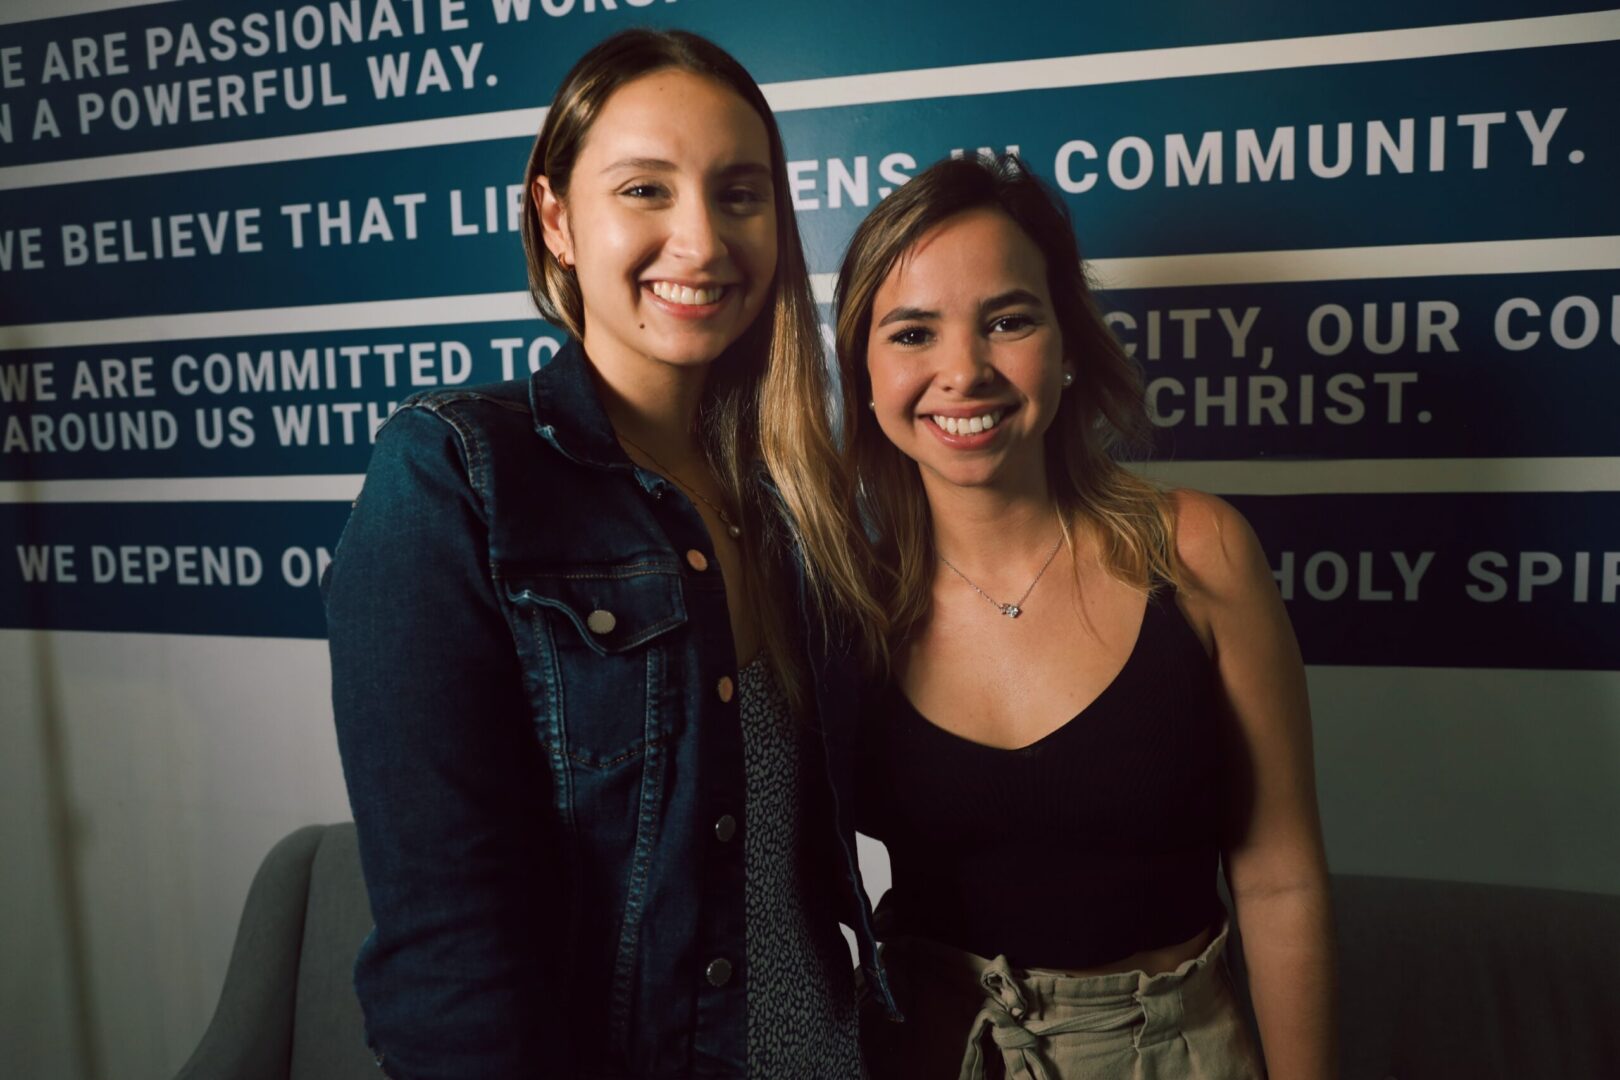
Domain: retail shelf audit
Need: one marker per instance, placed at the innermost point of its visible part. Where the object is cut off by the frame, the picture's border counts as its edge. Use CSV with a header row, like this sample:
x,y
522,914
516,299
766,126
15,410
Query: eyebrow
x,y
644,164
1009,298
995,303
906,314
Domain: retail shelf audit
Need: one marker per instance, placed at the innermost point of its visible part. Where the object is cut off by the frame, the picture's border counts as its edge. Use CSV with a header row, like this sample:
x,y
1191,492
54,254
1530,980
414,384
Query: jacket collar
x,y
568,413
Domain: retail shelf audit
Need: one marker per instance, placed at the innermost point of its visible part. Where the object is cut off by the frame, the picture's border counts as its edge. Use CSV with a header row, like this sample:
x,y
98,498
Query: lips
x,y
967,430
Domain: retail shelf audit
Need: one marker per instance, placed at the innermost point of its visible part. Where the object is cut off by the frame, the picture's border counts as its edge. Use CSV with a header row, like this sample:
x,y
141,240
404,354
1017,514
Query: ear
x,y
553,222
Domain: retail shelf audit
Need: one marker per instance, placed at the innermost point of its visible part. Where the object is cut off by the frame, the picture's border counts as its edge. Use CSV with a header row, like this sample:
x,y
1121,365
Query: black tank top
x,y
1098,841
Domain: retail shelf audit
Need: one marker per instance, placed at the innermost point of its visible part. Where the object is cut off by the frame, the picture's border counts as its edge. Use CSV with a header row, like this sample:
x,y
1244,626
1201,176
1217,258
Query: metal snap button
x,y
718,972
601,622
726,689
725,828
697,560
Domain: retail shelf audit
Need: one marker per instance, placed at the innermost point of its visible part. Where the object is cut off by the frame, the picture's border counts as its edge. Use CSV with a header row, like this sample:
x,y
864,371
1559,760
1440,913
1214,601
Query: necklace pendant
x,y
1012,611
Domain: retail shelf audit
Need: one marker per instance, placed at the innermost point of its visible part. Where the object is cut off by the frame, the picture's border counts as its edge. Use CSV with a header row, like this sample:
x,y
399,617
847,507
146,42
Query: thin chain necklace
x,y
1016,608
732,528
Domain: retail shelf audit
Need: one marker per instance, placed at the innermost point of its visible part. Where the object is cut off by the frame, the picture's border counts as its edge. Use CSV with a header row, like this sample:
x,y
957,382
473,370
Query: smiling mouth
x,y
686,295
968,425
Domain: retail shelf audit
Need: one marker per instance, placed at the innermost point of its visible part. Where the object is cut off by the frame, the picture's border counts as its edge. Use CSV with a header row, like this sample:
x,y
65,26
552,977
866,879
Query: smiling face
x,y
966,357
668,222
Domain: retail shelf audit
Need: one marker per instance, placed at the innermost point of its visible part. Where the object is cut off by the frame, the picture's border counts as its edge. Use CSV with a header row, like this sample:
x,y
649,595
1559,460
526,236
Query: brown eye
x,y
1011,324
744,198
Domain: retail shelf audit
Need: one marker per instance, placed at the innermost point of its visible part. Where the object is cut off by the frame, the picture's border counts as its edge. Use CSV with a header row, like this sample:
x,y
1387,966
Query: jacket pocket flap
x,y
613,607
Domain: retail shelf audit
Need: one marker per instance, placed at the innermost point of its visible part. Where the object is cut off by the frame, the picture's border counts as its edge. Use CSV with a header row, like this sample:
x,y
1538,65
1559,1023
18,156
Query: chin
x,y
967,476
689,350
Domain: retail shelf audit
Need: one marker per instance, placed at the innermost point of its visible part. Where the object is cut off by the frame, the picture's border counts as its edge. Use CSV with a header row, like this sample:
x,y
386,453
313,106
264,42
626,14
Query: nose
x,y
966,365
696,232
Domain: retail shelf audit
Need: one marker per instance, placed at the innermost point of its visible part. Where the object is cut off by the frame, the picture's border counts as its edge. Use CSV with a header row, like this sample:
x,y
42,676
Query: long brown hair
x,y
1098,420
768,400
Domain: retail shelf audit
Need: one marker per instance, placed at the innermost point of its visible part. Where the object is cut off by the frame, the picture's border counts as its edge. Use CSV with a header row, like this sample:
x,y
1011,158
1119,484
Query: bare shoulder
x,y
1218,549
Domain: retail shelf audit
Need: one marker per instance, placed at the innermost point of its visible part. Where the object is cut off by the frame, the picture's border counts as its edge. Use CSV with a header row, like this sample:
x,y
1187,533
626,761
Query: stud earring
x,y
872,404
1068,379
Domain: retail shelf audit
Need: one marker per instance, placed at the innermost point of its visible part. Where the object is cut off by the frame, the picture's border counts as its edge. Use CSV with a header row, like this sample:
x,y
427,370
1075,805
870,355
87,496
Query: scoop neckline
x,y
1119,677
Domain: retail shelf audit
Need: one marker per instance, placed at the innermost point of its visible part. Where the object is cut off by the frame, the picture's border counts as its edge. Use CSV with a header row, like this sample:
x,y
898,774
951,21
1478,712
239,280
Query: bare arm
x,y
1275,864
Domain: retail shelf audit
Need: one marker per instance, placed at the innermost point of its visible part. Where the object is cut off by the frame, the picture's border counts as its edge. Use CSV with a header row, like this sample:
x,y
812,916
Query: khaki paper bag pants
x,y
975,1019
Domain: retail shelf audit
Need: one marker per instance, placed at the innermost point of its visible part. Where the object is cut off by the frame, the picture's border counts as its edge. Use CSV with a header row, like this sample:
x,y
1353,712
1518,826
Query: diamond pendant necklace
x,y
732,528
1016,608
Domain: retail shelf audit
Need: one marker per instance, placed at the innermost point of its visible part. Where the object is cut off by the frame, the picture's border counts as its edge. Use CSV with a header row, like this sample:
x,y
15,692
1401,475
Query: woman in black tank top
x,y
1094,699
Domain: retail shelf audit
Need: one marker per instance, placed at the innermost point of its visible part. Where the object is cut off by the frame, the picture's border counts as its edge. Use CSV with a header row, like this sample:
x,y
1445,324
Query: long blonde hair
x,y
1103,415
767,400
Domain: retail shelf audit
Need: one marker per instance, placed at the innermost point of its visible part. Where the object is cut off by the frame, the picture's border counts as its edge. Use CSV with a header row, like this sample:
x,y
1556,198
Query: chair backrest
x,y
1449,979
328,1040
1437,979
287,1010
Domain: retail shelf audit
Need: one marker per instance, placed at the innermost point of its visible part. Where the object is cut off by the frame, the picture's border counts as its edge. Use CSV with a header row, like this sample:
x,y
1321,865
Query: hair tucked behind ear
x,y
768,401
1103,415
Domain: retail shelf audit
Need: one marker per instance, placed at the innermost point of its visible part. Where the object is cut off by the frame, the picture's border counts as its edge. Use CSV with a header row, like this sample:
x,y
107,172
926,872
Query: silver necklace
x,y
1016,608
732,528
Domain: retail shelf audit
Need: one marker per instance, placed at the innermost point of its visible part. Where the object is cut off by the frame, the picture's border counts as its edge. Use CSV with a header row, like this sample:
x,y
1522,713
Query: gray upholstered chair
x,y
288,1010
1441,979
1437,979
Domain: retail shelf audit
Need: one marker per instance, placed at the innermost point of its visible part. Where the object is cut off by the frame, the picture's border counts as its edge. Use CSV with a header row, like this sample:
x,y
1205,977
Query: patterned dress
x,y
801,994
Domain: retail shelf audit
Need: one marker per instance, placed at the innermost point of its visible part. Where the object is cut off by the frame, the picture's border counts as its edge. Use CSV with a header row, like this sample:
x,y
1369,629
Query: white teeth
x,y
685,295
968,425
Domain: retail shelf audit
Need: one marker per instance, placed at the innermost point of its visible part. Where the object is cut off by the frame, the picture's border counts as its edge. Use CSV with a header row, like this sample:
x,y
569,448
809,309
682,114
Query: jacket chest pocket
x,y
601,647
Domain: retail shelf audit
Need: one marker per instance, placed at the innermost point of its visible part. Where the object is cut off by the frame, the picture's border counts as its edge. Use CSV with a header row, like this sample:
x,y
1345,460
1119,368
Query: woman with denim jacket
x,y
594,723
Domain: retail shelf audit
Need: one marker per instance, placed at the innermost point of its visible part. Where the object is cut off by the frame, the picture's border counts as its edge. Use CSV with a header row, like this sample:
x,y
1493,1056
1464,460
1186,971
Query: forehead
x,y
970,255
676,116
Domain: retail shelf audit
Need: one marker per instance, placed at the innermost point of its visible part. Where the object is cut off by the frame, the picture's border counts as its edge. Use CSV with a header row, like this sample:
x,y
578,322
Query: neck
x,y
652,403
995,532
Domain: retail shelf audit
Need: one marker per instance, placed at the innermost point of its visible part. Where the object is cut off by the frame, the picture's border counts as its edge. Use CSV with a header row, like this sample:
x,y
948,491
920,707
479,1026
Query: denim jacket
x,y
529,636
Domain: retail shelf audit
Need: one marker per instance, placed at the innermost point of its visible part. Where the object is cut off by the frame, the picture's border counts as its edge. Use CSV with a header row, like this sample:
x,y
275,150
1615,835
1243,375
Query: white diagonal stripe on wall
x,y
1391,476
21,11
1148,65
1252,477
405,135
359,315
1159,271
1093,69
188,489
1360,263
